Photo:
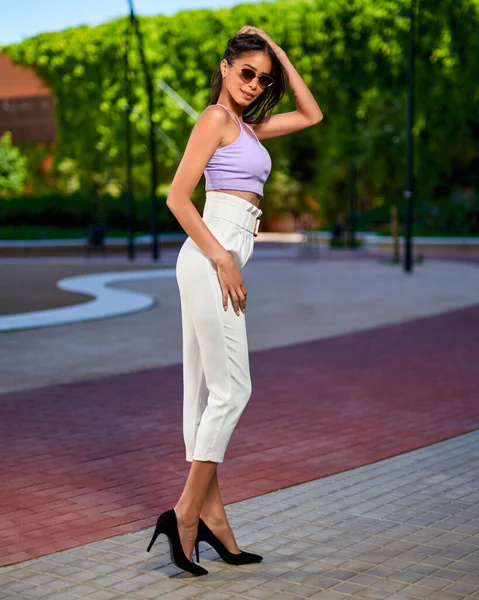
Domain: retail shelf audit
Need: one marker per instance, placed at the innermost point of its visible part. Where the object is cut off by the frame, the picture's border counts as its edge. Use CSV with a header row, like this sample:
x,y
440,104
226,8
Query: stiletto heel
x,y
197,548
243,558
168,524
156,533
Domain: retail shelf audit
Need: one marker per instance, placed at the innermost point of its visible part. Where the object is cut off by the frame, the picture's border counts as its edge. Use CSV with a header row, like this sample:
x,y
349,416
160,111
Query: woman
x,y
249,82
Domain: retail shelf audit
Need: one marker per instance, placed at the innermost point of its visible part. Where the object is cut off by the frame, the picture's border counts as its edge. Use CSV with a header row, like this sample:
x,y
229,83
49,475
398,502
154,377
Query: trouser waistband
x,y
233,209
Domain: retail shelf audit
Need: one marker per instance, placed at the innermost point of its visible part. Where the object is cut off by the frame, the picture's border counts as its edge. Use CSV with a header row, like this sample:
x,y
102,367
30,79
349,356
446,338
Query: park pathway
x,y
92,459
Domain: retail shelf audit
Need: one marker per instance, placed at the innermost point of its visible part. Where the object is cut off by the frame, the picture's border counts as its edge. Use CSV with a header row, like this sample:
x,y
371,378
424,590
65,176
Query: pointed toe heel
x,y
168,524
243,558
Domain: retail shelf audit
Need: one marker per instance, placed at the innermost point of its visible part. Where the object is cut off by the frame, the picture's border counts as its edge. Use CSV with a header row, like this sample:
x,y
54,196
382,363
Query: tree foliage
x,y
352,54
13,168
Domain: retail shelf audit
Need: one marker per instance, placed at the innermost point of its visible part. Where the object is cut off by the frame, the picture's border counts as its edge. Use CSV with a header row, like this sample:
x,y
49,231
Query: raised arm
x,y
307,111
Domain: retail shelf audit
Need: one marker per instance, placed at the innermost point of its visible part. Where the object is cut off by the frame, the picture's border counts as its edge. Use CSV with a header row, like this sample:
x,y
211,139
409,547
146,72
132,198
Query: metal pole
x,y
352,175
352,98
129,178
408,192
152,139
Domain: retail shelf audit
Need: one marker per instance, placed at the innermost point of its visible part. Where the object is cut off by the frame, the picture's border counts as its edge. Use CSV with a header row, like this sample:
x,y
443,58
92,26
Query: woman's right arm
x,y
204,140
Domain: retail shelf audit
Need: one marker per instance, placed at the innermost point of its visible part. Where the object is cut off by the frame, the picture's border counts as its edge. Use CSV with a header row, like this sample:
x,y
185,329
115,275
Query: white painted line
x,y
107,302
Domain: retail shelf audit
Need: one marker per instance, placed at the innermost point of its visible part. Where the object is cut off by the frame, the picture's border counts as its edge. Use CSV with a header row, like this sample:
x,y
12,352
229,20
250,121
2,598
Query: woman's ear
x,y
223,67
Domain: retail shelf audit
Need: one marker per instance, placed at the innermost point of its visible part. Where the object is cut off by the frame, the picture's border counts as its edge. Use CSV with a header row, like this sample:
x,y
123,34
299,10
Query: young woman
x,y
224,144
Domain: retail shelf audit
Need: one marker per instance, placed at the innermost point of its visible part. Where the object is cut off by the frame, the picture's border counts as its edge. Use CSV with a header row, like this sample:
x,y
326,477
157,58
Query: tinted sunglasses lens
x,y
265,80
248,75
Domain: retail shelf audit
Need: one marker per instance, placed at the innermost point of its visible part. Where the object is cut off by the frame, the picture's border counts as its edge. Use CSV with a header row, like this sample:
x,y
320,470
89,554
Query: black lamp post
x,y
352,170
408,192
345,74
134,24
129,179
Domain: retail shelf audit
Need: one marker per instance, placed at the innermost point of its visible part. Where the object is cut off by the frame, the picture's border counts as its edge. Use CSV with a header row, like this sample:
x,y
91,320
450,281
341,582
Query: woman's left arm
x,y
307,111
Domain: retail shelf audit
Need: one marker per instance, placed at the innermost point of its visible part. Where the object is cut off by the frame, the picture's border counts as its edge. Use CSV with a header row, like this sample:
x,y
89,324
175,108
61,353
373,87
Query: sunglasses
x,y
248,75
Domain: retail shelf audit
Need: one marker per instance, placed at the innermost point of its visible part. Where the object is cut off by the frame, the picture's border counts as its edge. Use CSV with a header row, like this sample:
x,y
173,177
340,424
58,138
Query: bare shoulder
x,y
214,115
213,122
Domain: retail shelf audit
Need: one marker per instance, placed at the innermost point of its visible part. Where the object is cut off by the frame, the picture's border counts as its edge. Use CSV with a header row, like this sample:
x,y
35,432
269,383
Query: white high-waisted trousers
x,y
216,376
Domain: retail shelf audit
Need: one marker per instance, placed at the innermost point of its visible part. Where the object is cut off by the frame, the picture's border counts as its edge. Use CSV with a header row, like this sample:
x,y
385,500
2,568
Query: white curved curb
x,y
108,302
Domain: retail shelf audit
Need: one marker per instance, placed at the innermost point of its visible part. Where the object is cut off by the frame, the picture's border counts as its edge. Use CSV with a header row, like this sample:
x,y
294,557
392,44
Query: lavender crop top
x,y
243,165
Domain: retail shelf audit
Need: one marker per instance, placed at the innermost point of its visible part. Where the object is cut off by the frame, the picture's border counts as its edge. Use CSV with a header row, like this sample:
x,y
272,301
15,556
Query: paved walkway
x,y
405,528
106,302
290,301
91,459
352,362
40,277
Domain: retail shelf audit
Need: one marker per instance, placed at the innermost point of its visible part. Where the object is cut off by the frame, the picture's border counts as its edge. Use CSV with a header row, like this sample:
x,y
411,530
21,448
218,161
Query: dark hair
x,y
237,46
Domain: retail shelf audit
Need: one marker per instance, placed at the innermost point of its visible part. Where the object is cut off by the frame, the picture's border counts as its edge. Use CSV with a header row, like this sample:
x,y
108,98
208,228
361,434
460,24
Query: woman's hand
x,y
263,34
232,283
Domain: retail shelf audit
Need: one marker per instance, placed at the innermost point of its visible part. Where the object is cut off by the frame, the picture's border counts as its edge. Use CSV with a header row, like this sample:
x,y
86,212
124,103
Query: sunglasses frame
x,y
255,76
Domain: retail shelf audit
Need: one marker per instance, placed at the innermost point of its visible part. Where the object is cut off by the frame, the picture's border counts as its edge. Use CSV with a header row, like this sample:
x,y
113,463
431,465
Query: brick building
x,y
26,104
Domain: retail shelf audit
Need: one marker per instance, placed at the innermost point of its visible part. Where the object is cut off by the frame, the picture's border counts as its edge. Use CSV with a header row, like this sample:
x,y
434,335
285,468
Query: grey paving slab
x,y
316,541
317,293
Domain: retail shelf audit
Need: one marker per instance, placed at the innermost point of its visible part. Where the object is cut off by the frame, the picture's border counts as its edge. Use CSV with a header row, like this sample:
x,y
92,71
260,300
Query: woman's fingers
x,y
238,298
242,298
247,29
224,292
232,285
235,300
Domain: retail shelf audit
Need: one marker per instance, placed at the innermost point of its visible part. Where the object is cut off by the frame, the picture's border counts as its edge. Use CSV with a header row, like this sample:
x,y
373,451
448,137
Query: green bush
x,y
352,54
458,215
13,167
76,210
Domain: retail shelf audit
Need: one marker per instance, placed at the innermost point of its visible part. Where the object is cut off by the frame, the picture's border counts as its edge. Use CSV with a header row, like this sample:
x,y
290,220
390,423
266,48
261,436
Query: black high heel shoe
x,y
206,535
167,523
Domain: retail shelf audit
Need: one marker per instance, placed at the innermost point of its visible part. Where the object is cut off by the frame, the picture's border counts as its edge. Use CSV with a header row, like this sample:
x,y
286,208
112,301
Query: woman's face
x,y
244,93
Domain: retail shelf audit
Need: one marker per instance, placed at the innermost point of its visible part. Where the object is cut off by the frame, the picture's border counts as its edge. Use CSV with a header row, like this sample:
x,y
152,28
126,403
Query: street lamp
x,y
352,170
129,178
345,72
151,138
408,192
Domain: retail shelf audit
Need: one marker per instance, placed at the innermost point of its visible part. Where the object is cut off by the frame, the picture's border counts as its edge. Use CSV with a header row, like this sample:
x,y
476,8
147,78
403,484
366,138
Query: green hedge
x,y
458,215
443,217
352,54
76,210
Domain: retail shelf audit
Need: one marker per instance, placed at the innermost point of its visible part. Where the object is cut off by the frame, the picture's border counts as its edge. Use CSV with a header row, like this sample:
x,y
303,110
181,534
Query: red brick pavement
x,y
89,460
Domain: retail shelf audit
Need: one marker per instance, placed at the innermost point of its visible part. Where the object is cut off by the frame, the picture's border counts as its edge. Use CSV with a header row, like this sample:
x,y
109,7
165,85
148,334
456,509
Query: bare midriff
x,y
249,196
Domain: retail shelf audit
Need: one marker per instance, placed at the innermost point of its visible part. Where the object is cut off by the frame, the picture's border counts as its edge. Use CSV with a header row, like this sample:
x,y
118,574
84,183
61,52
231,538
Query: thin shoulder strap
x,y
229,110
254,132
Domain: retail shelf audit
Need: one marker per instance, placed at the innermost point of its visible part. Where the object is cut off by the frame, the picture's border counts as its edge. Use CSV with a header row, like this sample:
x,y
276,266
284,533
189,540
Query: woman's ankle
x,y
214,518
188,516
